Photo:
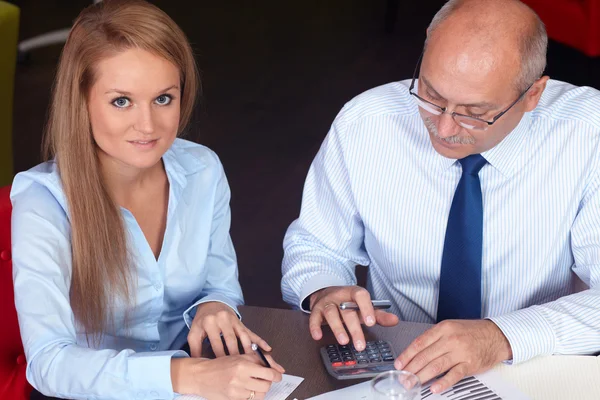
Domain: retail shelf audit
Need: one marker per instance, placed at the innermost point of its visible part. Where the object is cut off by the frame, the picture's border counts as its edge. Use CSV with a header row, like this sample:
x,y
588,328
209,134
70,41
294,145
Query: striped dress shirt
x,y
378,194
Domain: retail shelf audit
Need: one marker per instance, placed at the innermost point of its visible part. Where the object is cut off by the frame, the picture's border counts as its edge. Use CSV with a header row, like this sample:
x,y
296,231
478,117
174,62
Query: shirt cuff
x,y
528,333
315,283
151,373
190,313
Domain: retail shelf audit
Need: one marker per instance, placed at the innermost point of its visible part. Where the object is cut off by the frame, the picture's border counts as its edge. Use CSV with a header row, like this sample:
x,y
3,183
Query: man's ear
x,y
532,97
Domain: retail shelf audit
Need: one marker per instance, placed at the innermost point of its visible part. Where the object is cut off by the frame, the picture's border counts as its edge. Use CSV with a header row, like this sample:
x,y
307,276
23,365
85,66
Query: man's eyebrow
x,y
126,93
480,104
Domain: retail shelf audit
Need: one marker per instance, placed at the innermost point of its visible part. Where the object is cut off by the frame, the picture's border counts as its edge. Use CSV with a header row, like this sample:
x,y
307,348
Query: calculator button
x,y
348,358
331,346
361,357
386,354
344,347
350,363
363,362
346,353
388,358
335,359
337,364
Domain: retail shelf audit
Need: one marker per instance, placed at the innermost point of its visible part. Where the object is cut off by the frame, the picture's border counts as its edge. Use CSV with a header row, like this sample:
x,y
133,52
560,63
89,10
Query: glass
x,y
395,385
465,121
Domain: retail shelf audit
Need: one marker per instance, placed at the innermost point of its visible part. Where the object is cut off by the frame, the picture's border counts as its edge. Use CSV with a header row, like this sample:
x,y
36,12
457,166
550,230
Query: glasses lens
x,y
433,109
471,123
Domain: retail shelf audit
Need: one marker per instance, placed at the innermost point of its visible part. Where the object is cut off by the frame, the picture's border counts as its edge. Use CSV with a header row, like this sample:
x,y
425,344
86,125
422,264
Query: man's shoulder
x,y
381,101
567,102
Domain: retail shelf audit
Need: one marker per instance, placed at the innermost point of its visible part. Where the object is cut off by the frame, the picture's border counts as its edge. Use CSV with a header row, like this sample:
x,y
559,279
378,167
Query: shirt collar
x,y
179,164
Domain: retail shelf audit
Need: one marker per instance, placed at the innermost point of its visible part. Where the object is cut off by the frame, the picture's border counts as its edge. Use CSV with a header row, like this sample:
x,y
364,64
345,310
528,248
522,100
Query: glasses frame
x,y
454,114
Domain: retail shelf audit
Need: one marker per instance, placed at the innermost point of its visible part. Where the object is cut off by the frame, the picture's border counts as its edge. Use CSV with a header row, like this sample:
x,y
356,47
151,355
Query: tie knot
x,y
472,164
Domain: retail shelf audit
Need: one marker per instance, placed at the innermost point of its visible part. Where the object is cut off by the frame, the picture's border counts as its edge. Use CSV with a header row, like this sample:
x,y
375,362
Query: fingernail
x,y
315,334
360,346
370,320
435,388
398,365
342,338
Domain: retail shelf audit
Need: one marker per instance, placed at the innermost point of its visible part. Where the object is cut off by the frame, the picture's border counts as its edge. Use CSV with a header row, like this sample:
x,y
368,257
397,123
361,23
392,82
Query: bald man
x,y
472,194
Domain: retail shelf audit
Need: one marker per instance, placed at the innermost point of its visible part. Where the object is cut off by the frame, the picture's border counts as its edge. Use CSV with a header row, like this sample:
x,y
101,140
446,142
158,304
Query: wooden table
x,y
543,378
287,332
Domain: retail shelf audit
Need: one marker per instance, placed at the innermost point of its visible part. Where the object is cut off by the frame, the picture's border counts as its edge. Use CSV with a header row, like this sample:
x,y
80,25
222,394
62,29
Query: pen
x,y
260,354
349,305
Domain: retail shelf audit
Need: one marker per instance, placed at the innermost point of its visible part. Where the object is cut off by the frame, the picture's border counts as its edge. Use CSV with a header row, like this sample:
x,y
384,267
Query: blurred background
x,y
275,73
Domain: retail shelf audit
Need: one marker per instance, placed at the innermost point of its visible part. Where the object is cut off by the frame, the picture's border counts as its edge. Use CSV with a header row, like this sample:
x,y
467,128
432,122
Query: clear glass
x,y
463,120
395,385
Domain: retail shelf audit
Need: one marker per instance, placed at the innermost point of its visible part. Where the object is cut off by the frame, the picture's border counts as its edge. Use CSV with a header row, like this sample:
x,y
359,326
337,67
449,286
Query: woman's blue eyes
x,y
124,102
121,102
163,100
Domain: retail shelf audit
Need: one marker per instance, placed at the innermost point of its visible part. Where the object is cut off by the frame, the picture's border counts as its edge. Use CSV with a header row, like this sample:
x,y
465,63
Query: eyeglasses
x,y
465,121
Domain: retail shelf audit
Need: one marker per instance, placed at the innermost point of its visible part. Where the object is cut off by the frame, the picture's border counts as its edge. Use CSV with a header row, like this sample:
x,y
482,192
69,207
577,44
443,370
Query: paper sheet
x,y
279,390
556,377
488,386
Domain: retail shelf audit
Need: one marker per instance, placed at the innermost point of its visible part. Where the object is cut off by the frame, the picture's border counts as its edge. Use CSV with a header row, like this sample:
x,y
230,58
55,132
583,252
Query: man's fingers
x,y
332,315
314,324
435,368
352,322
417,346
384,318
425,357
451,378
363,299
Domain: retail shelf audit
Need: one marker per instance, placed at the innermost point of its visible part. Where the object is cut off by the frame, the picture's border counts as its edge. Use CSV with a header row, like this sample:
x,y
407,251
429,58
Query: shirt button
x,y
153,347
157,285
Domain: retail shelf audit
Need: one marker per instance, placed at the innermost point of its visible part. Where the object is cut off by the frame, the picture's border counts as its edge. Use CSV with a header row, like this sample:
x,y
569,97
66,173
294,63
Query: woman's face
x,y
134,108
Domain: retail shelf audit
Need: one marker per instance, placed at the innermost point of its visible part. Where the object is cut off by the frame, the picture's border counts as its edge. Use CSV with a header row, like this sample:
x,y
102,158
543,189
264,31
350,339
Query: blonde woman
x,y
122,237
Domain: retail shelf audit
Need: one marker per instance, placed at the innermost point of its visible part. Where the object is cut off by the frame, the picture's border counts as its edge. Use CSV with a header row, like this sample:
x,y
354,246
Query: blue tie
x,y
460,277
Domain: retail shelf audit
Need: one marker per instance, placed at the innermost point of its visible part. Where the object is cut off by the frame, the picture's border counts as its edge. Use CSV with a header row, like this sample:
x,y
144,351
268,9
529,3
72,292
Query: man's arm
x,y
571,324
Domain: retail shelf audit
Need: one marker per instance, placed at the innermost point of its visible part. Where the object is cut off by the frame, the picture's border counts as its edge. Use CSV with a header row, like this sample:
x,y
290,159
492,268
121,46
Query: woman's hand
x,y
237,377
215,320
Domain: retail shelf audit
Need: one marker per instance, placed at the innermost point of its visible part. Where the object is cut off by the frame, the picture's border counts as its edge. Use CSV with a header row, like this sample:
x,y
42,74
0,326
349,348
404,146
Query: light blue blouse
x,y
197,264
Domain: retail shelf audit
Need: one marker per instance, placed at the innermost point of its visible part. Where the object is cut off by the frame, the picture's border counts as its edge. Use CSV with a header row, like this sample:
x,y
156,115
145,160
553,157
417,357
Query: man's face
x,y
477,84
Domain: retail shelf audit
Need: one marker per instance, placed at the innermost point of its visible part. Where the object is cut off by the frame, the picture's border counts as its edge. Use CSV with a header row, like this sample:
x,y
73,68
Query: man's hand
x,y
215,320
324,305
461,347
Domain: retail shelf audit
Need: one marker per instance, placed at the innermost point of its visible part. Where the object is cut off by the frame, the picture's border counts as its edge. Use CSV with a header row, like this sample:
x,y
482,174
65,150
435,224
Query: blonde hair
x,y
101,269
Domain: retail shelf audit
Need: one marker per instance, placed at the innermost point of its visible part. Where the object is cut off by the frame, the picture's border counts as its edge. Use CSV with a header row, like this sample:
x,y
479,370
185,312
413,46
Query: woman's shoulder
x,y
38,189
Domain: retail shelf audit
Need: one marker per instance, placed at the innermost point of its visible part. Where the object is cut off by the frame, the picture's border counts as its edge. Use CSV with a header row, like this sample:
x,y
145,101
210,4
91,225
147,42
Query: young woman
x,y
122,237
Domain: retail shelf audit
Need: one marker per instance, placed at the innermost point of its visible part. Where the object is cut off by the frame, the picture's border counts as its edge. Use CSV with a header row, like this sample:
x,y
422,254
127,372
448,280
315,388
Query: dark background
x,y
275,73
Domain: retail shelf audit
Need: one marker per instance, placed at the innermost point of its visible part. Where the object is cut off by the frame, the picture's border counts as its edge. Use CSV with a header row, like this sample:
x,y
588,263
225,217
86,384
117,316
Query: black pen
x,y
261,355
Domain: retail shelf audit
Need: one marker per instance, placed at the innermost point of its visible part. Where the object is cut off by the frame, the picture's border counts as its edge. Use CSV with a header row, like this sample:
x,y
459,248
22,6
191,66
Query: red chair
x,y
13,384
575,23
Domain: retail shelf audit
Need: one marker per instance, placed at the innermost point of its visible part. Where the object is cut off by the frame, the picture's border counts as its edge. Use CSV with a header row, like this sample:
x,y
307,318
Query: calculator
x,y
345,362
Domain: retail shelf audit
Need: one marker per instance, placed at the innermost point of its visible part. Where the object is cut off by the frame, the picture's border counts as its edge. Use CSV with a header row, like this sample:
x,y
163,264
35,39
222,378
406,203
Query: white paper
x,y
478,387
279,390
556,377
